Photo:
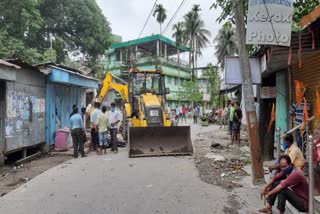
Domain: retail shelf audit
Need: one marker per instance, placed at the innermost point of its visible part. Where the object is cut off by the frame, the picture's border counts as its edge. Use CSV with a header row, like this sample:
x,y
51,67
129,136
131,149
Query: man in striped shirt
x,y
297,112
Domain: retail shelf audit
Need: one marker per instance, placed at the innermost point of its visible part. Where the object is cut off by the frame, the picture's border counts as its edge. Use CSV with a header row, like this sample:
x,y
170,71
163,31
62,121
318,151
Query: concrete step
x,y
293,210
317,204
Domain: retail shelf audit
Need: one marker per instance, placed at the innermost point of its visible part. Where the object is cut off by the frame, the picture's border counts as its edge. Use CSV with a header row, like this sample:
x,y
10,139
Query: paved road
x,y
115,184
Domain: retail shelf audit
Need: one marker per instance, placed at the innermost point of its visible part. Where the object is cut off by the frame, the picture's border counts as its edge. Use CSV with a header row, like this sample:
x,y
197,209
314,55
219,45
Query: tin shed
x,y
22,88
64,88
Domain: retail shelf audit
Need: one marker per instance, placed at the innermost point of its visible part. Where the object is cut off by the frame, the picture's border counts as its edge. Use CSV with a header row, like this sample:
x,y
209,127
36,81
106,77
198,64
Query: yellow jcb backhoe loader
x,y
146,128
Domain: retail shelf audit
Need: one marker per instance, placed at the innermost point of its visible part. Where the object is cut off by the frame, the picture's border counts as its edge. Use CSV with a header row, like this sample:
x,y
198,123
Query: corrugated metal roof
x,y
5,63
23,64
148,39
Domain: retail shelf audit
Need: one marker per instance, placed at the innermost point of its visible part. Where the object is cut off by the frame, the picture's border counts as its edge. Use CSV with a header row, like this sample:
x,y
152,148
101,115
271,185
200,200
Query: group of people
x,y
232,115
101,123
287,182
181,113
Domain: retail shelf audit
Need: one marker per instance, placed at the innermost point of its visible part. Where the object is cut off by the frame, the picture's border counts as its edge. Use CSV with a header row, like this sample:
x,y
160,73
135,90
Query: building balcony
x,y
167,62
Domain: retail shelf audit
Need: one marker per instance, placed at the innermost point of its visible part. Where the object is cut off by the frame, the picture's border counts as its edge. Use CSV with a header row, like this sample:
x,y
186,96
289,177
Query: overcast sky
x,y
127,18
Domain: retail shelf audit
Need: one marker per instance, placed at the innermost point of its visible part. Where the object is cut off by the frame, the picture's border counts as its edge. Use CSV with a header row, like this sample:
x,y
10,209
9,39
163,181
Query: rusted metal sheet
x,y
310,75
24,119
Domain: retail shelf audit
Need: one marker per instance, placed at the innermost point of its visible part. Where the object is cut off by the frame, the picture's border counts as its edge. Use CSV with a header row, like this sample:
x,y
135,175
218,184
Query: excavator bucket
x,y
159,141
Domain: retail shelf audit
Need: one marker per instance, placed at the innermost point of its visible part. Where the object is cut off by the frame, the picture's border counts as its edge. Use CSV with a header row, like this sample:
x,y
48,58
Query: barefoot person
x,y
288,185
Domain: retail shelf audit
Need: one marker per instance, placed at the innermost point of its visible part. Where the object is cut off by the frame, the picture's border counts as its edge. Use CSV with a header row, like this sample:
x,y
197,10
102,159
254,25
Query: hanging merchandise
x,y
272,117
300,90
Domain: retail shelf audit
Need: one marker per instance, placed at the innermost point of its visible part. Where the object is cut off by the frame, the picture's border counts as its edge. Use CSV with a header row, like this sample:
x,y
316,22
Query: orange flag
x,y
300,89
272,117
305,115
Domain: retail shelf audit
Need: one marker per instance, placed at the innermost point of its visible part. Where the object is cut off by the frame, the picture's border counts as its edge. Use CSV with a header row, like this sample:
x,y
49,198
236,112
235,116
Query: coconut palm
x,y
178,35
226,44
161,14
195,34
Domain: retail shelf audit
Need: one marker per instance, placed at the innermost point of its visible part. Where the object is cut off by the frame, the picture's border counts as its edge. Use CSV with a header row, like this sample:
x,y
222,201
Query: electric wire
x,y
274,32
174,15
145,24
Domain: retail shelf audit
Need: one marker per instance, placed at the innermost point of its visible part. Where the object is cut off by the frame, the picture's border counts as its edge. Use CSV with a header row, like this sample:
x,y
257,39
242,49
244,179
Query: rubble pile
x,y
226,173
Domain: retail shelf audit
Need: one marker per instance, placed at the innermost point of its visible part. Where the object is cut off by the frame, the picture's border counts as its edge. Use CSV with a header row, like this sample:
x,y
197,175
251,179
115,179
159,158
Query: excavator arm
x,y
107,84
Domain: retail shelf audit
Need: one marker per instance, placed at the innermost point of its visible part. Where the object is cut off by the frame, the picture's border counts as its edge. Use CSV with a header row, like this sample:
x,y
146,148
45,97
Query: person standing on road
x,y
84,119
225,116
94,126
196,113
74,106
169,112
219,117
77,131
184,112
114,120
231,116
103,122
236,125
178,112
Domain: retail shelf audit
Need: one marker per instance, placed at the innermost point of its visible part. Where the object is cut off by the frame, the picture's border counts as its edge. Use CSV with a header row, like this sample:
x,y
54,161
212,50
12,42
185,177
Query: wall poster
x,y
12,104
9,127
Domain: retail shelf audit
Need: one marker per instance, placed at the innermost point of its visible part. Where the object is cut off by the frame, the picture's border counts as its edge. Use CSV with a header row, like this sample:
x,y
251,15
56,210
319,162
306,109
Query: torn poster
x,y
19,123
12,104
9,127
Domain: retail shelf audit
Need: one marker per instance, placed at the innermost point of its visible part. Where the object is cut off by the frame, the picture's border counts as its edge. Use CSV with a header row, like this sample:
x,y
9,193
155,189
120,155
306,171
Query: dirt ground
x,y
11,177
219,162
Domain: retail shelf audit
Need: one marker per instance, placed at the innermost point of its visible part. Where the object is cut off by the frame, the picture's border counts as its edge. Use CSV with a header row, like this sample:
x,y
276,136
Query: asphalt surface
x,y
115,184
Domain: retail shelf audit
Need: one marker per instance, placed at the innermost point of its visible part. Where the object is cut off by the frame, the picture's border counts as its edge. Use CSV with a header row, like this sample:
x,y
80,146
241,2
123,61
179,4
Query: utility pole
x,y
248,96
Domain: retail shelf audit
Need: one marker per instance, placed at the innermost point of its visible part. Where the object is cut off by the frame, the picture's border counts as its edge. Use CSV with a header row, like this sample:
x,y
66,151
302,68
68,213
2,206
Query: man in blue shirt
x,y
77,132
297,112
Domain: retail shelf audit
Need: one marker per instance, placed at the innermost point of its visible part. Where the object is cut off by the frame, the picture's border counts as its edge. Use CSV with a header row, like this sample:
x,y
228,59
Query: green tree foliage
x,y
50,55
178,35
76,26
161,15
195,34
11,48
189,91
213,77
301,8
226,43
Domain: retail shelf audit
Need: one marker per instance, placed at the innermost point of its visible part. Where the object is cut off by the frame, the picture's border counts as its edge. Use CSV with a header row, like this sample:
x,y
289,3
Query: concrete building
x,y
149,53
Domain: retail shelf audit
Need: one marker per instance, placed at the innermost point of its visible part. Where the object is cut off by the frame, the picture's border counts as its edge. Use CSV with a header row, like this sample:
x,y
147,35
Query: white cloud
x,y
127,18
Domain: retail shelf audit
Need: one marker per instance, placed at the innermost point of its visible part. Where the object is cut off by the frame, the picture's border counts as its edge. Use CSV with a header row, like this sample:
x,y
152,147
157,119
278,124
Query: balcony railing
x,y
173,62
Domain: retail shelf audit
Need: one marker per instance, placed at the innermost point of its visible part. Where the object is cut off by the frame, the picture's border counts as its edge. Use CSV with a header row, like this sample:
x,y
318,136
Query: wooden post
x,y
248,98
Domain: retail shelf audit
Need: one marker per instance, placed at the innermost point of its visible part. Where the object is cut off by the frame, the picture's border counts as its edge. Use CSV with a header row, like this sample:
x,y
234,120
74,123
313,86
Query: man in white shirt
x,y
114,120
169,111
94,126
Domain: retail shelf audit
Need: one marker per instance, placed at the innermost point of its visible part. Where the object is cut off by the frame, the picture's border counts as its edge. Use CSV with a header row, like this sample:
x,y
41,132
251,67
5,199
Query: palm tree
x,y
195,34
226,44
160,12
178,35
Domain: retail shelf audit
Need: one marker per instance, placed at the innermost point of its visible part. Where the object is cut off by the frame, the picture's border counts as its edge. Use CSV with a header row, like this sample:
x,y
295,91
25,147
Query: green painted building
x,y
150,53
